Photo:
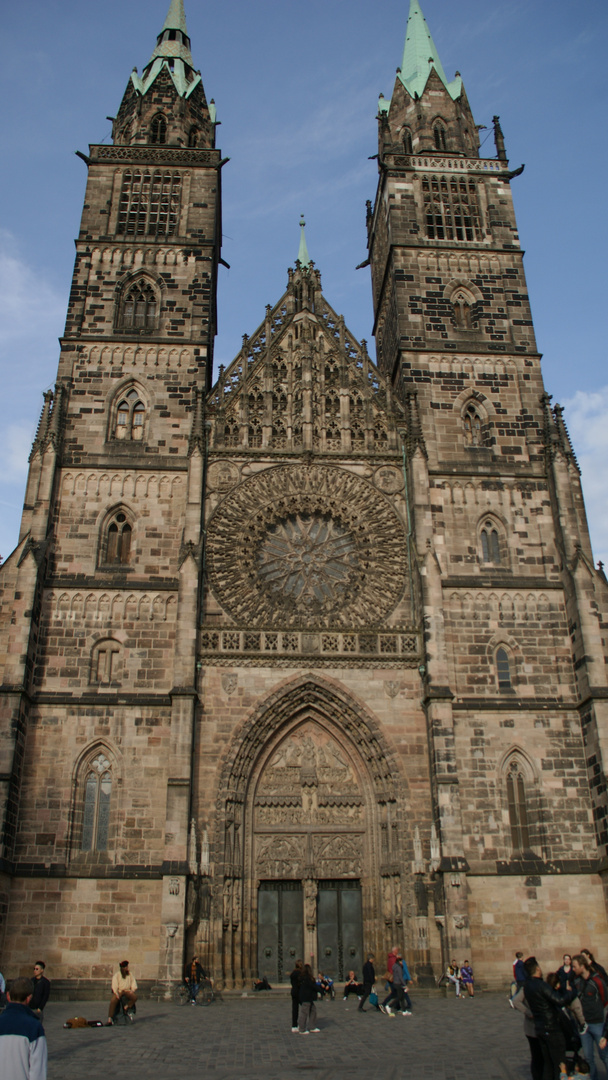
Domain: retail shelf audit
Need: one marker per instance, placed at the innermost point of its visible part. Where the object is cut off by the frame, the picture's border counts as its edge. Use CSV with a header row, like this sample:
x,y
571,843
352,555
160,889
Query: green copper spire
x,y
173,50
173,41
303,256
420,56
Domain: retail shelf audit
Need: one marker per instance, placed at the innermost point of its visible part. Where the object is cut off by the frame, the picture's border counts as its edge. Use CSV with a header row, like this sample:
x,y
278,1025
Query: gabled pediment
x,y
303,382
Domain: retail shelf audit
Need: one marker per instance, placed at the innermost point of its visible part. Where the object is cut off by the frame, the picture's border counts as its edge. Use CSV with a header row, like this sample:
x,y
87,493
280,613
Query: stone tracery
x,y
314,545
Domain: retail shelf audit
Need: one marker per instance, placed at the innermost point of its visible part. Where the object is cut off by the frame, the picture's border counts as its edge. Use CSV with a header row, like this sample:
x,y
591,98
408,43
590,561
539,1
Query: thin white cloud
x,y
31,318
29,306
586,415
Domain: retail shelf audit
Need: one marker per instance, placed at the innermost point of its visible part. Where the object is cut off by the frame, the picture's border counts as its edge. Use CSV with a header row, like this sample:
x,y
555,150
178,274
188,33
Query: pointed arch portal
x,y
309,819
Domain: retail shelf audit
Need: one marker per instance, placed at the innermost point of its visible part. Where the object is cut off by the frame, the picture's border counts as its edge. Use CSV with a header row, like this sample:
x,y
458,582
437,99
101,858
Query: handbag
x,y
373,998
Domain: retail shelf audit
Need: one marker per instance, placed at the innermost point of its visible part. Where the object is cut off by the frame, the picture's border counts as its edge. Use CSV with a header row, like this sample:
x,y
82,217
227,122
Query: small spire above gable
x,y
302,382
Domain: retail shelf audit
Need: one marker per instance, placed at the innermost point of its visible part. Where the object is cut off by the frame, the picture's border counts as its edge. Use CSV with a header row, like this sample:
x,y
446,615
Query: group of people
x,y
305,990
461,977
23,1052
564,1015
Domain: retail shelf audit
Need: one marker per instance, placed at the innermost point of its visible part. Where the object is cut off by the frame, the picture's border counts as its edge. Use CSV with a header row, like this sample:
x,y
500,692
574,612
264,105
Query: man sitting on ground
x,y
22,1040
124,989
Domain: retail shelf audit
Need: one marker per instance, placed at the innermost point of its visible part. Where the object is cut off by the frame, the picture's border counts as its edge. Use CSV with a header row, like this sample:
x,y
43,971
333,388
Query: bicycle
x,y
205,994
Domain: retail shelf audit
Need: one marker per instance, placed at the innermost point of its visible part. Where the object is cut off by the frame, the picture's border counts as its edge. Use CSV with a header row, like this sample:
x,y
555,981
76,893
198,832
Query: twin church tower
x,y
310,661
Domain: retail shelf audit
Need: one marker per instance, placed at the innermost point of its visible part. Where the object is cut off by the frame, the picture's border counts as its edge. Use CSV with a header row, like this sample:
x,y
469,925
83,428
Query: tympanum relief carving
x,y
310,791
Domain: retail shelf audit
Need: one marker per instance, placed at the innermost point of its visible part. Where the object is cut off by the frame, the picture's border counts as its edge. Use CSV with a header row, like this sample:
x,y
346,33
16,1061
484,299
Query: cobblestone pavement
x,y
250,1039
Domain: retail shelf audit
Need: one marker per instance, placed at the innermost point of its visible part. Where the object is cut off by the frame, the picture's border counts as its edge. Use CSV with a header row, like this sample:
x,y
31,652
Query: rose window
x,y
307,557
306,546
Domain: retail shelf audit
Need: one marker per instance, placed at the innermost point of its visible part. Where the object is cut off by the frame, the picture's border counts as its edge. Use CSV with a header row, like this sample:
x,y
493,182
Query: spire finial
x,y
420,56
303,256
173,42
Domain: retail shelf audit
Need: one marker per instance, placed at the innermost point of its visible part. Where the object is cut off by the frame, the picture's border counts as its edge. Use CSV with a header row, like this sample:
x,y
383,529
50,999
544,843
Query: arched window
x,y
407,141
503,670
490,548
96,807
232,434
439,135
255,435
158,130
130,417
518,808
139,308
117,547
193,137
461,306
105,661
472,426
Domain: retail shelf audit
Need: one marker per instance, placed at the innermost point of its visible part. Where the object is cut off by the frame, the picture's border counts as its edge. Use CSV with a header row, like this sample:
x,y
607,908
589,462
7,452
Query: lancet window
x,y
96,804
158,130
518,808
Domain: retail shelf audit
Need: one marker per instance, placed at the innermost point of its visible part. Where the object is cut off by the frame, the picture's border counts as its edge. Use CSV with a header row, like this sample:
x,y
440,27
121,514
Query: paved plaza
x,y
250,1038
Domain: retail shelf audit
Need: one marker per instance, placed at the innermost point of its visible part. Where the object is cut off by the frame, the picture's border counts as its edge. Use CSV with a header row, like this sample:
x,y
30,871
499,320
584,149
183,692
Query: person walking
x,y
369,978
23,1052
308,1010
294,979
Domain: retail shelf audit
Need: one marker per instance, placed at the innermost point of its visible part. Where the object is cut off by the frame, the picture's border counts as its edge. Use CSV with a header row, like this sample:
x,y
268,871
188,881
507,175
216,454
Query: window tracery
x,y
472,426
490,543
451,208
116,543
97,793
149,203
439,135
130,416
139,307
158,130
519,818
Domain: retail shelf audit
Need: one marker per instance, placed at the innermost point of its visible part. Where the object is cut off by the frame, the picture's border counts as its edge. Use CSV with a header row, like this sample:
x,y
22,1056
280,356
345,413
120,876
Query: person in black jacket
x,y
42,989
369,978
308,996
593,1010
294,979
545,1004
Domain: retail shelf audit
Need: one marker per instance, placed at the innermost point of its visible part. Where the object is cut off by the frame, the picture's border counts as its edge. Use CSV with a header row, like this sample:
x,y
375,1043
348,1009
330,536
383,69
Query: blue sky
x,y
296,87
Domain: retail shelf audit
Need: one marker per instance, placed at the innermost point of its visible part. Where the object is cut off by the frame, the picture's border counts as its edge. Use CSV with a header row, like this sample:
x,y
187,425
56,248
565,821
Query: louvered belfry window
x,y
149,204
451,208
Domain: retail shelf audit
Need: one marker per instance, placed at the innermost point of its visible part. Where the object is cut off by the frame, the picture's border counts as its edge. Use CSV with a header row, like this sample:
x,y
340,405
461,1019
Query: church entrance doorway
x,y
339,928
280,929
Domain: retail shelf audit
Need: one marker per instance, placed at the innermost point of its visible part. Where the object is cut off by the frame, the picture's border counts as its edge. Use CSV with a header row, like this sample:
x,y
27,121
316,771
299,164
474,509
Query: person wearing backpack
x,y
593,1010
598,974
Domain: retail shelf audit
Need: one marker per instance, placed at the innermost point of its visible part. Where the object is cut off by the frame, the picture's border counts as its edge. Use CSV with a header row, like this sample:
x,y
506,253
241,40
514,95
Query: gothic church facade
x,y
311,660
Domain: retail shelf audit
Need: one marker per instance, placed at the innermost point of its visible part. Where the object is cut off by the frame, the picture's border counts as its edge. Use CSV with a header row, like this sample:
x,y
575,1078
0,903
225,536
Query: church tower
x,y
101,597
514,685
309,661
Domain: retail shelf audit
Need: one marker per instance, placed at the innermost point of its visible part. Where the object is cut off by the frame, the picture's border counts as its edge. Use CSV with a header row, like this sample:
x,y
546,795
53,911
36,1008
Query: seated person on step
x,y
352,986
124,993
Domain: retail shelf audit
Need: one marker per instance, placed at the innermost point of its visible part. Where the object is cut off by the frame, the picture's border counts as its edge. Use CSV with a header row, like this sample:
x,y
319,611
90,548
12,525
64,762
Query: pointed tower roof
x,y
420,56
173,50
303,256
173,40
